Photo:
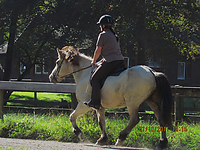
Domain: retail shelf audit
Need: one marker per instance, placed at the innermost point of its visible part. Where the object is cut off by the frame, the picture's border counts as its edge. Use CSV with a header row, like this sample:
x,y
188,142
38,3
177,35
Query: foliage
x,y
147,29
58,127
179,22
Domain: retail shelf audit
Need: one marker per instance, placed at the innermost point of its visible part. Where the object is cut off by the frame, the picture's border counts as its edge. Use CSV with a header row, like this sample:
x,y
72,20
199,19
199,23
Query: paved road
x,y
25,144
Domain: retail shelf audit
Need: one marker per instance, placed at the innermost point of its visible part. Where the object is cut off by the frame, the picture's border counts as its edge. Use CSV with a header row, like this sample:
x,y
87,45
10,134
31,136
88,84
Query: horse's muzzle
x,y
52,78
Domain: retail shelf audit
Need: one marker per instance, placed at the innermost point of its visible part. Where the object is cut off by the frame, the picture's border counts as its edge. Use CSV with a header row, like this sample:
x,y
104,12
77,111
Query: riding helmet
x,y
106,20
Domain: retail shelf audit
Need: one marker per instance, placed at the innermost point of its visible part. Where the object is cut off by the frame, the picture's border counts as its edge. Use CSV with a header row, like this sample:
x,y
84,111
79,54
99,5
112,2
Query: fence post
x,y
35,99
74,101
1,103
178,108
35,96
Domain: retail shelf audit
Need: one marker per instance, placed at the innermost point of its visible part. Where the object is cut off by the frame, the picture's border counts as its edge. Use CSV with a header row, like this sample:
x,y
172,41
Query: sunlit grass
x,y
41,96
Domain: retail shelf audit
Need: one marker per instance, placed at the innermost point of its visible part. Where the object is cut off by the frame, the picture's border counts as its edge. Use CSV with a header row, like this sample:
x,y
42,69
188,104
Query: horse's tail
x,y
164,92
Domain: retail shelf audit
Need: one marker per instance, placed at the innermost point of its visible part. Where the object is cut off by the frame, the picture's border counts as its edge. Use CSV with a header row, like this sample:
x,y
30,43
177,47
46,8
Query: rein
x,y
74,72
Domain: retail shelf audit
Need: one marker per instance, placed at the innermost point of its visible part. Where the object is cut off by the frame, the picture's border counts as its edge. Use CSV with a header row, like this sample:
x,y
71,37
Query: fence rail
x,y
33,87
179,93
38,86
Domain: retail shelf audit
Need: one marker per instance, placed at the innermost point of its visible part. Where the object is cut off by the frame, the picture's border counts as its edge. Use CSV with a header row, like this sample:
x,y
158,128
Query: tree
x,y
12,10
140,25
177,23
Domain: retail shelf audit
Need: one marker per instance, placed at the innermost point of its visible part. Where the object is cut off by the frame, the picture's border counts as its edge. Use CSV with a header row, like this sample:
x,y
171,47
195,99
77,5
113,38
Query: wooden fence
x,y
33,87
179,93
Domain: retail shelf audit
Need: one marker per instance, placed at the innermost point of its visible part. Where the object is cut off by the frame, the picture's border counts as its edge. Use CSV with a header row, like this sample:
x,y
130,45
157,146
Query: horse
x,y
130,89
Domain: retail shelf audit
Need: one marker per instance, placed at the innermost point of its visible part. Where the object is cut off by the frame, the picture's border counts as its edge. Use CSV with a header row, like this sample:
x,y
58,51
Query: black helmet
x,y
106,20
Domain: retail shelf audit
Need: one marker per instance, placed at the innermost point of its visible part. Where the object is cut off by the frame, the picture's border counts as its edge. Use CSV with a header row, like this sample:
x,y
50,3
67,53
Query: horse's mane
x,y
69,48
74,55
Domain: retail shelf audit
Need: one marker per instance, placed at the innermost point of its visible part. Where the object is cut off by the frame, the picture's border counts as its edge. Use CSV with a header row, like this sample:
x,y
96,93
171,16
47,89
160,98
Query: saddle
x,y
116,72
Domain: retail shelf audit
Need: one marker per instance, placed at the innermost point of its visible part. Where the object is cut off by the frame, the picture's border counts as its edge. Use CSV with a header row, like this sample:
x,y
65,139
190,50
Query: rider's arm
x,y
97,53
100,61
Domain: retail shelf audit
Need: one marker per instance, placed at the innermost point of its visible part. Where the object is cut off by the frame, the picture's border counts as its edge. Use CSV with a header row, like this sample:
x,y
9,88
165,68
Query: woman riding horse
x,y
108,46
130,89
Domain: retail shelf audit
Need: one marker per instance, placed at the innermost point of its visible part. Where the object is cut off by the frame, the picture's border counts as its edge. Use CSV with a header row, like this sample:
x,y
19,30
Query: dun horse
x,y
130,89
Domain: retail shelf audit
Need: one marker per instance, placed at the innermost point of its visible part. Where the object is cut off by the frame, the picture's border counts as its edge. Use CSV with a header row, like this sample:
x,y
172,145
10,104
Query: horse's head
x,y
67,57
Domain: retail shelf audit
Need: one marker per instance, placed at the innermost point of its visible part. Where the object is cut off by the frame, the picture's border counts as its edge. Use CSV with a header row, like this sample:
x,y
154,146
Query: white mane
x,y
84,60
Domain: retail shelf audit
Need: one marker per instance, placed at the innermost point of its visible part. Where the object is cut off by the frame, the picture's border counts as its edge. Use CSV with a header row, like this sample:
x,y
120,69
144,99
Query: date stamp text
x,y
160,129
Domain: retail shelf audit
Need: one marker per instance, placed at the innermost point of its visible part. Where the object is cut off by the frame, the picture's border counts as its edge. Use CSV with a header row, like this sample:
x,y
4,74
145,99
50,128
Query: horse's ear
x,y
57,49
59,52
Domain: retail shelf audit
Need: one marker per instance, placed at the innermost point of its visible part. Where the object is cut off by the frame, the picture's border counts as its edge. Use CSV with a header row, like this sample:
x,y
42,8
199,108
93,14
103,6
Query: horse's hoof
x,y
119,142
163,144
158,148
102,141
81,136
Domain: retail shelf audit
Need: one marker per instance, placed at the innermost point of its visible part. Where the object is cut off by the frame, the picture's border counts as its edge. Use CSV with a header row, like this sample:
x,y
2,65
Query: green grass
x,y
58,127
41,96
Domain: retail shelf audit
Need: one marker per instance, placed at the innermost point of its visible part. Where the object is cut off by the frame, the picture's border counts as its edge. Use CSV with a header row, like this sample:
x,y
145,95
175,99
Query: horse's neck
x,y
84,61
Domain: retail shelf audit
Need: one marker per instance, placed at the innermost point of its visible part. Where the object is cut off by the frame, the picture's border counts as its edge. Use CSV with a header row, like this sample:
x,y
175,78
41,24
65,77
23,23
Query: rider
x,y
108,46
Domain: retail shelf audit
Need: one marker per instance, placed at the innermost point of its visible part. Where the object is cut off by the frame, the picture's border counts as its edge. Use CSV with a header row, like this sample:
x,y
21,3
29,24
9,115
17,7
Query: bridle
x,y
65,76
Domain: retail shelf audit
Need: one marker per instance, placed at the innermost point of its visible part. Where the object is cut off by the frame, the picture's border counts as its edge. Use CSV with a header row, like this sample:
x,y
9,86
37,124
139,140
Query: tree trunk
x,y
9,54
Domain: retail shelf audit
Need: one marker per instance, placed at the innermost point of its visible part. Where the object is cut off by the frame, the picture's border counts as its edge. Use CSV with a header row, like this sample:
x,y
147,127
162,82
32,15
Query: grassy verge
x,y
58,127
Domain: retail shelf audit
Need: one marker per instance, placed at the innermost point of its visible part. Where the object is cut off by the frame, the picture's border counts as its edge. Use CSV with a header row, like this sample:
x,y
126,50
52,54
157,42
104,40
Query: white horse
x,y
130,89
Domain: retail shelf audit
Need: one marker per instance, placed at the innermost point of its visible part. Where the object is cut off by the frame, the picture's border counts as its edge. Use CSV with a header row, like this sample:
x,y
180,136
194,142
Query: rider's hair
x,y
109,27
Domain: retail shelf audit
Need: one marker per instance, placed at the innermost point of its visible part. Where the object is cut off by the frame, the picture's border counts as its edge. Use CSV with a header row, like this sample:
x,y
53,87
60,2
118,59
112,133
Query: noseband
x,y
62,77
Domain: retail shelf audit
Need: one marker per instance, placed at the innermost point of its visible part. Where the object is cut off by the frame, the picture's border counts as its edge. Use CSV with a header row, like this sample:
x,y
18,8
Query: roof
x,y
3,48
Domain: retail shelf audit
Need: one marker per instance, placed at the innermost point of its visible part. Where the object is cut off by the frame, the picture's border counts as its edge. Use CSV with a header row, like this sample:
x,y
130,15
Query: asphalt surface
x,y
24,144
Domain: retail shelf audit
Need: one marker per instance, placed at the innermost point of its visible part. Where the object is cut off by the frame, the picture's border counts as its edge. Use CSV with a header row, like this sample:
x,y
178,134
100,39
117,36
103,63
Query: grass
x,y
41,96
58,128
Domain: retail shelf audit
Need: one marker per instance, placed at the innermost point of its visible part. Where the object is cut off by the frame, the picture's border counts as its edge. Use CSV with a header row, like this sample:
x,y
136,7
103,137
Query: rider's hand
x,y
93,63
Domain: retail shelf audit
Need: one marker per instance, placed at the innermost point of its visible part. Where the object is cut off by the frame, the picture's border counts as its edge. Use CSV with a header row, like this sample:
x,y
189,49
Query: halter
x,y
62,77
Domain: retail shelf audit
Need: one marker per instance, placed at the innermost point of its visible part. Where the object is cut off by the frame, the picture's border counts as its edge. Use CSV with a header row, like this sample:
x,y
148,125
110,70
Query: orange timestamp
x,y
160,129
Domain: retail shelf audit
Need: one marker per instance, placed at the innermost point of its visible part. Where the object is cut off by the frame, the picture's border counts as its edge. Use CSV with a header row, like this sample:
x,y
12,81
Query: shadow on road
x,y
116,148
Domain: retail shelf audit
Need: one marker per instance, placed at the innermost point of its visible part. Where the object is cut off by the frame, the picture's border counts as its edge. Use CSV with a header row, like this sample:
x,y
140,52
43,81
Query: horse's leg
x,y
134,119
101,120
80,109
154,105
